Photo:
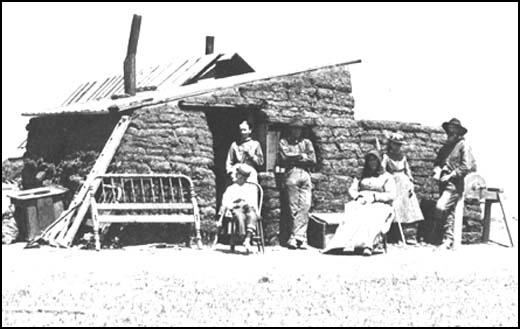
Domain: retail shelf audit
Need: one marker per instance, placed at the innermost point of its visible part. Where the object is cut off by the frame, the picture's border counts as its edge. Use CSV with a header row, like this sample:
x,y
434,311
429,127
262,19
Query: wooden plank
x,y
104,92
486,225
180,190
505,218
162,80
58,209
71,96
45,208
144,175
98,90
162,190
152,189
176,218
133,189
271,151
142,190
144,206
171,189
103,195
149,73
122,188
83,93
31,224
95,219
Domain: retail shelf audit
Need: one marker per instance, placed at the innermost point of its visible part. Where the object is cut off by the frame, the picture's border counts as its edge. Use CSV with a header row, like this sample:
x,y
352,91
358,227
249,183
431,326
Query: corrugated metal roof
x,y
172,74
174,92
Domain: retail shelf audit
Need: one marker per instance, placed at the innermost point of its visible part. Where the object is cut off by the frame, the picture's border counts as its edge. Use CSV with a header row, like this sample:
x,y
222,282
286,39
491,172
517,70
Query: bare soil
x,y
145,285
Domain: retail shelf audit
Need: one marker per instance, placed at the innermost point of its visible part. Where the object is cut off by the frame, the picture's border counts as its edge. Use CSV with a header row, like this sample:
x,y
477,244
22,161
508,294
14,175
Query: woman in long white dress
x,y
406,205
370,213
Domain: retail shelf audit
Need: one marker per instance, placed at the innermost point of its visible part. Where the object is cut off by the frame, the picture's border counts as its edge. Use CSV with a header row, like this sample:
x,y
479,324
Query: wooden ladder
x,y
62,231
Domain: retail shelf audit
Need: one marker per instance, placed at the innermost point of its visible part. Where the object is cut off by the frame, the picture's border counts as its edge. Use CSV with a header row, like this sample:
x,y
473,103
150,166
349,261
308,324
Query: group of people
x,y
382,194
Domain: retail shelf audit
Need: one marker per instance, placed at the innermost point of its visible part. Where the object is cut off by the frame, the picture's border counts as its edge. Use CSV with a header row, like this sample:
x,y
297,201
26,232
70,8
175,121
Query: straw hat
x,y
396,138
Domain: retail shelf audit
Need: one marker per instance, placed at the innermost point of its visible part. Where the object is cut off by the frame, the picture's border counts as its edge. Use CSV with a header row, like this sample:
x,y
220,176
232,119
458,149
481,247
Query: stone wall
x,y
340,142
321,93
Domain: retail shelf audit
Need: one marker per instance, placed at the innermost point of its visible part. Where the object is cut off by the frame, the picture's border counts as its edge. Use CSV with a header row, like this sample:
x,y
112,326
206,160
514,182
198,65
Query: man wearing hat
x,y
240,200
297,155
454,161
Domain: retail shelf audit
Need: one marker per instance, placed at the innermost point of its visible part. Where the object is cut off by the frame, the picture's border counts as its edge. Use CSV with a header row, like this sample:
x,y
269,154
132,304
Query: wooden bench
x,y
144,198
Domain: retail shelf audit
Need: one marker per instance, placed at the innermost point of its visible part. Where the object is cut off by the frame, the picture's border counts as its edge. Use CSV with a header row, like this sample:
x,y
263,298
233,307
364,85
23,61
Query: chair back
x,y
260,195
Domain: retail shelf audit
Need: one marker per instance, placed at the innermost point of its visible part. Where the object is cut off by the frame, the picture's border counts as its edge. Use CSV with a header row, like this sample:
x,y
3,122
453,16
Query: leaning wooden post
x,y
487,220
196,214
129,65
95,219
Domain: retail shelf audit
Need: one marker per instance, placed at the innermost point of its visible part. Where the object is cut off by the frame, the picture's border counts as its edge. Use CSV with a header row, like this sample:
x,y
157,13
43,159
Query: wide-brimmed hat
x,y
454,122
244,169
396,138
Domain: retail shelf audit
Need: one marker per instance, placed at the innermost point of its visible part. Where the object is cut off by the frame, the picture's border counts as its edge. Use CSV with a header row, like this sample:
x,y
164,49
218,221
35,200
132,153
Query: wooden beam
x,y
144,206
173,218
129,65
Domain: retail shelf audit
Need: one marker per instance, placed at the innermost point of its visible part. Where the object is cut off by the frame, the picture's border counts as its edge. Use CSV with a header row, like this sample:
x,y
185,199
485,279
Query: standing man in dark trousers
x,y
454,161
296,155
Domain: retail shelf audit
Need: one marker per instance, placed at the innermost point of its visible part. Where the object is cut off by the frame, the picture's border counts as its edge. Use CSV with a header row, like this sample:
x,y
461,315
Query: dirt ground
x,y
145,285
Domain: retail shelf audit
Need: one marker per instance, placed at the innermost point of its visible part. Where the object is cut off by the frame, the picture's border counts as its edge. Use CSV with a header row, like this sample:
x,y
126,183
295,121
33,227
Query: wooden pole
x,y
487,221
129,65
505,220
210,41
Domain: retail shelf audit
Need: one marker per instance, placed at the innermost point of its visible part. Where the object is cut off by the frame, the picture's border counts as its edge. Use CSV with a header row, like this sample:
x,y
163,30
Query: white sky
x,y
422,63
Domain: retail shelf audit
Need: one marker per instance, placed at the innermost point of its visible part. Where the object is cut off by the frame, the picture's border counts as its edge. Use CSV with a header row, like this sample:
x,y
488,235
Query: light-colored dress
x,y
407,209
364,222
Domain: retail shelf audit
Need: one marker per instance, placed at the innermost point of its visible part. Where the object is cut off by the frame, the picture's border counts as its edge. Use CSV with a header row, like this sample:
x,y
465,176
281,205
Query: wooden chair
x,y
258,237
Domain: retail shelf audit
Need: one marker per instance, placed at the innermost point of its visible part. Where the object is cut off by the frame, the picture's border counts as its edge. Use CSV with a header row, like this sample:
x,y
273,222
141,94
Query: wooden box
x,y
321,228
37,208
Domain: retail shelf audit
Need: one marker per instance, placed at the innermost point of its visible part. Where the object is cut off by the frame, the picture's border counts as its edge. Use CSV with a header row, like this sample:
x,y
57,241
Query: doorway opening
x,y
223,124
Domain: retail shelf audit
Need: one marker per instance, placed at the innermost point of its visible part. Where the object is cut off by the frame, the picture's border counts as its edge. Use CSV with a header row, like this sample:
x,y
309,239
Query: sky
x,y
421,62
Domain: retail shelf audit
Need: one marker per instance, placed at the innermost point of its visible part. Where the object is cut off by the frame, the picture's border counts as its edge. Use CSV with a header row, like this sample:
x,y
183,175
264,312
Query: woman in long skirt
x,y
406,205
370,213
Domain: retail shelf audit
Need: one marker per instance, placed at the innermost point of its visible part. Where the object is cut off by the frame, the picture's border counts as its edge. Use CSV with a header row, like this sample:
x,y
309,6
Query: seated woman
x,y
370,212
240,200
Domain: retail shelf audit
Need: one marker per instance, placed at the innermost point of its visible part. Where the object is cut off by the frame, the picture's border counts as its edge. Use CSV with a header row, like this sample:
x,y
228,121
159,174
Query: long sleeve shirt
x,y
458,159
300,154
247,192
248,152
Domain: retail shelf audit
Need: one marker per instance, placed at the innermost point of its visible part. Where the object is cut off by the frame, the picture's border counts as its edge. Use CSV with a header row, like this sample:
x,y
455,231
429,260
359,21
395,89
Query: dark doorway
x,y
223,124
